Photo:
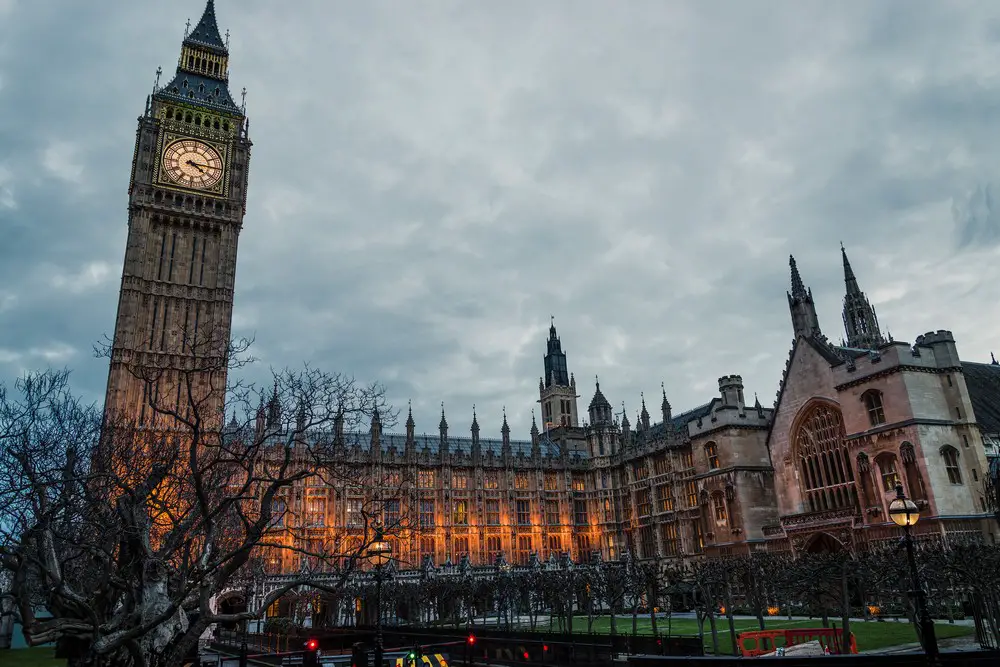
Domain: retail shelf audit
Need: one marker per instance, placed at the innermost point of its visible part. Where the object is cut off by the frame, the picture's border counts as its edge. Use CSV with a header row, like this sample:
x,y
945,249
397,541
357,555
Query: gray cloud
x,y
431,181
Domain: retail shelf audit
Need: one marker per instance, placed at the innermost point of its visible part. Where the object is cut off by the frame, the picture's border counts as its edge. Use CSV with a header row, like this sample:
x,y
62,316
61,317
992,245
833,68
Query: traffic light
x,y
359,656
471,640
311,656
415,656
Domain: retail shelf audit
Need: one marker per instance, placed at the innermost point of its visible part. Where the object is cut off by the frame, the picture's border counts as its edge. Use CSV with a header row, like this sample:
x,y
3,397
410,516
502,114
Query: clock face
x,y
192,164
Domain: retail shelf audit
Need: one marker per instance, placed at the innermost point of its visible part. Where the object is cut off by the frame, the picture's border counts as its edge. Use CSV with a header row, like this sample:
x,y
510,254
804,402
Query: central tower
x,y
187,199
557,390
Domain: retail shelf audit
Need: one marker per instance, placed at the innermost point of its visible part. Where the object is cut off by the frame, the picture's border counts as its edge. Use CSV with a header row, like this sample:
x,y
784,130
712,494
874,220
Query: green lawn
x,y
869,635
30,657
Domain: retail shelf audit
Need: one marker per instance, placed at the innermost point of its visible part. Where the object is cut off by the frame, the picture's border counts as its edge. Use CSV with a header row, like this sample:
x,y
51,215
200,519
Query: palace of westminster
x,y
815,471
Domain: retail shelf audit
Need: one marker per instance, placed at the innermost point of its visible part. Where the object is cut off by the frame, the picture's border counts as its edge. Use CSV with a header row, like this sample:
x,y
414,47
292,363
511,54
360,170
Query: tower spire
x,y
206,33
805,323
860,320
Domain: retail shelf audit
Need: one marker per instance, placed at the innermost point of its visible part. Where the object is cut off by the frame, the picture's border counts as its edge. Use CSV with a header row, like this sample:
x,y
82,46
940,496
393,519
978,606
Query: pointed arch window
x,y
873,404
888,471
719,508
824,463
914,482
950,456
712,454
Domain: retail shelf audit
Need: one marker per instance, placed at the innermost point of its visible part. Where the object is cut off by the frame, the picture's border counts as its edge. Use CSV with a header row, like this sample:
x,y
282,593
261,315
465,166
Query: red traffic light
x,y
471,639
312,644
545,647
526,656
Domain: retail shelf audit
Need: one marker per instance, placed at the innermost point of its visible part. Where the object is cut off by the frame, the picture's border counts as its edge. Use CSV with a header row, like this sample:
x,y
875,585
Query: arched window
x,y
823,460
914,482
950,456
712,454
887,470
719,508
873,404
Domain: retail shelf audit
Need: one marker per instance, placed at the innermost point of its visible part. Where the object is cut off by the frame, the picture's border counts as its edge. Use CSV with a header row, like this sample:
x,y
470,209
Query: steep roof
x,y
206,33
983,381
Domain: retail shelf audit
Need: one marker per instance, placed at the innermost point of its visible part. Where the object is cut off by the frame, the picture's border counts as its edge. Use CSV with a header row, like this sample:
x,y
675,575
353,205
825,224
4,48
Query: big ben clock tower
x,y
187,199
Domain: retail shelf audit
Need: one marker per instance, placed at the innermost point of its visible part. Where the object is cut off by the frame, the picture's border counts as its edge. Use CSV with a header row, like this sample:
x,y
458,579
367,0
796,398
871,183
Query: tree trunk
x,y
845,644
732,622
715,632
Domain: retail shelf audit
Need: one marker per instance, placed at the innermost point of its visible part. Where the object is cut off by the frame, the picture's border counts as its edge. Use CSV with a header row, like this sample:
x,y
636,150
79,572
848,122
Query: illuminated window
x,y
687,458
671,539
712,454
461,547
460,515
639,470
315,511
719,505
355,513
665,498
697,536
609,514
459,480
551,481
523,512
552,512
647,542
426,512
425,479
887,469
521,481
580,512
491,480
873,404
692,494
492,512
579,483
555,545
950,456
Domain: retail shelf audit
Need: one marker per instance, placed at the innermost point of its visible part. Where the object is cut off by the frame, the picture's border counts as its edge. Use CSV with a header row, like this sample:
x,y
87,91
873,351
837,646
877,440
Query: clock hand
x,y
199,167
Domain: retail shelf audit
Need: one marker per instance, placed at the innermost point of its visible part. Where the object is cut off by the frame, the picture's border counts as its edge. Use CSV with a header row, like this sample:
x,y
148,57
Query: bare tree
x,y
127,530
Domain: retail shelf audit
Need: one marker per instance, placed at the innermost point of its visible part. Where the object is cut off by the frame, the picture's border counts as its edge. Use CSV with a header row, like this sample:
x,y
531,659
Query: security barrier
x,y
759,642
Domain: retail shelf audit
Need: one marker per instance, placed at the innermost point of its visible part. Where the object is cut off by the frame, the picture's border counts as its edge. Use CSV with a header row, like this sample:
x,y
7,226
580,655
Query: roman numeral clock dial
x,y
192,164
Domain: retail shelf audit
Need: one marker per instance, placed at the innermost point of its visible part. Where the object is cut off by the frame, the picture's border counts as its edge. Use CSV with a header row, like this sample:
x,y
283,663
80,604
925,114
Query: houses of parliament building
x,y
814,471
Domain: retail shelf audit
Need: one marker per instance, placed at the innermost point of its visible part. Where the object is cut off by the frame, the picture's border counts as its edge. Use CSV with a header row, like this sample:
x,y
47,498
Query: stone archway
x,y
232,604
823,543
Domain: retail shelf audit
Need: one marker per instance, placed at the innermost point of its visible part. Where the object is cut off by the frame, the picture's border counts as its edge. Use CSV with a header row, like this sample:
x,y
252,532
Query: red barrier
x,y
766,641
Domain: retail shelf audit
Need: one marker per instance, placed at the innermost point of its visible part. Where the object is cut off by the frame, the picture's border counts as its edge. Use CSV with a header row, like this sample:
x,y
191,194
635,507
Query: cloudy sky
x,y
432,180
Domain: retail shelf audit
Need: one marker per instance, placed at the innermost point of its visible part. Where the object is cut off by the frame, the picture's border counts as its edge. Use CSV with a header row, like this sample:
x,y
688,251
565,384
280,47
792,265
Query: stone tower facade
x,y
557,390
187,199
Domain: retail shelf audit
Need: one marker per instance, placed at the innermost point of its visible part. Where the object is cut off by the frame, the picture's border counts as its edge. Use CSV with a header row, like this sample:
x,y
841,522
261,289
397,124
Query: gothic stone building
x,y
815,471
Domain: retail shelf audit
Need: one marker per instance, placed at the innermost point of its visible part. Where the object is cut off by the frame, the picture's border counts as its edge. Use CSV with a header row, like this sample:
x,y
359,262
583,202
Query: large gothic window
x,y
823,460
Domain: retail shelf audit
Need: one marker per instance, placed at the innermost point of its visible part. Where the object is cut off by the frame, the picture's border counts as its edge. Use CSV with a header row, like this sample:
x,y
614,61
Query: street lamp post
x,y
246,607
905,513
379,553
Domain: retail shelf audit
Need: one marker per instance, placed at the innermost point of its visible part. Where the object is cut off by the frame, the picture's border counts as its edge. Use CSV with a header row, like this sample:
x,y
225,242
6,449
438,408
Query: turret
x,y
534,428
443,429
475,434
643,414
557,390
731,389
411,429
665,406
505,430
600,408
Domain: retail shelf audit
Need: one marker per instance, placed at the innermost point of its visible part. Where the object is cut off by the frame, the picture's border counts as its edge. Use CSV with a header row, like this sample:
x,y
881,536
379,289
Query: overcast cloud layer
x,y
432,180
